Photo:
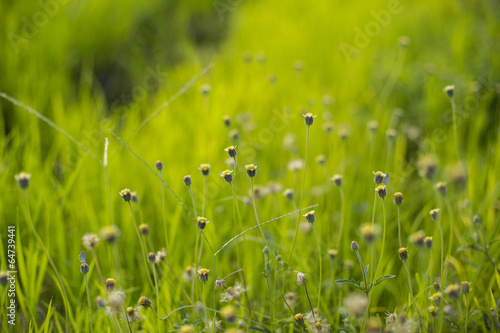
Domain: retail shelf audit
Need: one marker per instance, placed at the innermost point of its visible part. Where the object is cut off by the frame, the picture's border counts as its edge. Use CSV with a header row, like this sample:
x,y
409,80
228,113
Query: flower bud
x,y
231,151
151,257
228,313
144,302
403,253
381,191
452,291
159,165
310,216
398,198
433,310
251,170
144,229
203,274
299,319
126,195
187,180
337,180
332,254
202,222
288,193
23,180
99,302
436,286
227,175
378,177
435,214
205,169
428,242
465,287
321,159
227,120
441,188
109,285
309,118
449,90
205,89
84,268
354,246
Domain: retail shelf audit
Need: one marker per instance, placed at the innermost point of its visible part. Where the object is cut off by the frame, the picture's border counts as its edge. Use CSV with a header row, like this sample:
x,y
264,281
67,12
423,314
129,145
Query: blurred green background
x,y
96,67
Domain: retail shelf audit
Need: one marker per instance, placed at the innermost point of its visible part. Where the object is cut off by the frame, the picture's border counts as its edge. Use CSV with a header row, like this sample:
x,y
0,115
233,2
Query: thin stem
x,y
157,293
49,257
143,248
179,281
372,254
309,299
399,227
367,292
204,196
192,199
90,304
300,198
163,210
443,279
126,318
383,240
407,270
341,228
194,290
97,265
466,312
320,265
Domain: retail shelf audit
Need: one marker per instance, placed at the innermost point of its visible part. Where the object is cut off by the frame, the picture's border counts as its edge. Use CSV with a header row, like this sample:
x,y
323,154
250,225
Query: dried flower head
x,y
391,133
435,214
301,278
449,90
441,188
126,195
203,274
310,216
449,311
348,264
144,229
135,197
391,317
232,293
398,198
337,180
403,253
227,175
309,118
205,169
465,287
109,285
90,240
381,191
251,170
202,222
23,180
187,180
161,255
110,233
234,134
356,304
231,151
117,298
144,302
220,283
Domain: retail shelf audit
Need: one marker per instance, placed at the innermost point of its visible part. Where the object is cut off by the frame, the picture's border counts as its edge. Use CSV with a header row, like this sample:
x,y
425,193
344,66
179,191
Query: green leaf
x,y
469,247
258,329
383,278
366,270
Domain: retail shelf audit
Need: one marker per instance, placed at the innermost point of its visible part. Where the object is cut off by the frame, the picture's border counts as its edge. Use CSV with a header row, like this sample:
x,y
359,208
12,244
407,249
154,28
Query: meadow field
x,y
230,165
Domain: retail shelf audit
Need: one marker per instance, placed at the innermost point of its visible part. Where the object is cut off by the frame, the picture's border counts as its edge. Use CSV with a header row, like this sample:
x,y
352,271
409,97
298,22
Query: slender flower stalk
x,y
403,255
372,248
159,167
97,265
398,200
151,259
355,248
383,240
310,217
337,179
84,268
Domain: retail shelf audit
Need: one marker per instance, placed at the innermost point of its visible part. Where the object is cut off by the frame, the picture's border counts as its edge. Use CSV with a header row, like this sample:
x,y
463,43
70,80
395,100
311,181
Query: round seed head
x,y
398,198
84,268
332,254
403,253
23,180
227,175
202,222
151,257
299,319
144,302
435,214
428,242
205,169
187,180
161,255
203,274
310,216
337,180
301,278
90,240
220,284
354,246
251,170
441,188
231,151
465,287
109,285
4,277
309,118
381,191
144,229
126,195
436,286
227,120
321,159
159,165
449,90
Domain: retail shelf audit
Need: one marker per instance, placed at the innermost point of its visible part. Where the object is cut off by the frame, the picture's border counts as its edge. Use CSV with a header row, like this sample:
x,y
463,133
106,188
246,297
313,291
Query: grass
x,y
66,96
